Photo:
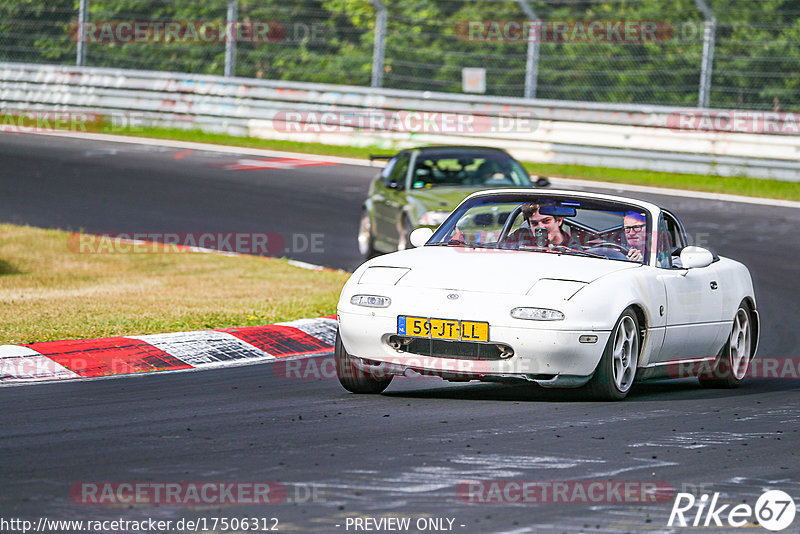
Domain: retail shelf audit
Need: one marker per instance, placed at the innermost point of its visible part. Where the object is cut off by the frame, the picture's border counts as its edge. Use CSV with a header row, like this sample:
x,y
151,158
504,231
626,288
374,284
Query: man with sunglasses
x,y
635,227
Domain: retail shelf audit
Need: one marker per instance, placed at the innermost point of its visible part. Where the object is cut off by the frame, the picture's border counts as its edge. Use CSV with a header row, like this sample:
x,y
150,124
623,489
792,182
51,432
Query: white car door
x,y
694,300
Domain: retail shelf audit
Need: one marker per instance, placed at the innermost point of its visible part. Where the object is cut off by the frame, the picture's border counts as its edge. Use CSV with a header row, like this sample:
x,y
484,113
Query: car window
x,y
674,229
665,245
399,170
387,170
671,241
465,169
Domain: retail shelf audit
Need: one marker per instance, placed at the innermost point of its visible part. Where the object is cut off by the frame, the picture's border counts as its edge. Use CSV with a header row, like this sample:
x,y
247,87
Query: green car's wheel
x,y
404,237
366,244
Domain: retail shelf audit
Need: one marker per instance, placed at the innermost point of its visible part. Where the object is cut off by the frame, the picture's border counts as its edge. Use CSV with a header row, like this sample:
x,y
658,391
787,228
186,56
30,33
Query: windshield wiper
x,y
451,243
576,252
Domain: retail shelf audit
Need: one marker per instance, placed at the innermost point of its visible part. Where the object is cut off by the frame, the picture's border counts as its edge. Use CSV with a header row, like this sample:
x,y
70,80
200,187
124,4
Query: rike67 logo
x,y
774,510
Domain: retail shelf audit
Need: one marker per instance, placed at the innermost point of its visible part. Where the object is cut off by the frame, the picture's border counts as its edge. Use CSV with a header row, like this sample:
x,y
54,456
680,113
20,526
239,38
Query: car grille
x,y
459,350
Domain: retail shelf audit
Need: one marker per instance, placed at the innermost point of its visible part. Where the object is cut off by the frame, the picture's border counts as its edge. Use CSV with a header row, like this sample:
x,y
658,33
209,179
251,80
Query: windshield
x,y
550,223
464,169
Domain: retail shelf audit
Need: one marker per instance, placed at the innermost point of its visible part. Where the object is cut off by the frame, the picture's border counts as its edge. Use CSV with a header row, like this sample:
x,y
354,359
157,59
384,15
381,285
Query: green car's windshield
x,y
459,169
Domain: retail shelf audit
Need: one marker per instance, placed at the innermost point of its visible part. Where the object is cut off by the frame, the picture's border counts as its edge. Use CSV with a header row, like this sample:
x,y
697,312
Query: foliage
x,y
755,65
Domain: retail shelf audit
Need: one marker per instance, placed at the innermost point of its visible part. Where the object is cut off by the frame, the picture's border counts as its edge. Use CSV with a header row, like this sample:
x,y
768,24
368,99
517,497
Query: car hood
x,y
443,198
493,271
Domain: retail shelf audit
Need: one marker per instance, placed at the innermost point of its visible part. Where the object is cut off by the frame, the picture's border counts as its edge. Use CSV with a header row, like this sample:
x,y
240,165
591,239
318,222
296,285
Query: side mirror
x,y
540,181
696,257
420,236
394,184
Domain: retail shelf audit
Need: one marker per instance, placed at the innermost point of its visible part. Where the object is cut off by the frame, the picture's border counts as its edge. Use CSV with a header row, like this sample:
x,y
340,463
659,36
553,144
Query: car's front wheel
x,y
404,237
366,245
616,371
732,364
351,377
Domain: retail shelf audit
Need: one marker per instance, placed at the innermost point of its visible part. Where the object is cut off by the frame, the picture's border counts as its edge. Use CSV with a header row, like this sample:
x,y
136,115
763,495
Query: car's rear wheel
x,y
366,245
351,377
616,371
732,364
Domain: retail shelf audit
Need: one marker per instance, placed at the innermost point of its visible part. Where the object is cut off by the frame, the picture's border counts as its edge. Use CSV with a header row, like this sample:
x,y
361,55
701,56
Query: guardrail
x,y
610,135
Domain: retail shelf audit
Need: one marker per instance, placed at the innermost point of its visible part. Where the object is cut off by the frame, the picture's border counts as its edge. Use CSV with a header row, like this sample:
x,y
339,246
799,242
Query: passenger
x,y
635,226
556,235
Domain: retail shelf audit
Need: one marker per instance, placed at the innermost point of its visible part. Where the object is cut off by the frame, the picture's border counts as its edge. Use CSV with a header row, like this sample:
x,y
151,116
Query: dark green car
x,y
421,186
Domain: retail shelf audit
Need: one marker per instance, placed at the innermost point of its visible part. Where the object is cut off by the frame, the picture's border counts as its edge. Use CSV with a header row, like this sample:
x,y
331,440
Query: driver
x,y
635,226
556,236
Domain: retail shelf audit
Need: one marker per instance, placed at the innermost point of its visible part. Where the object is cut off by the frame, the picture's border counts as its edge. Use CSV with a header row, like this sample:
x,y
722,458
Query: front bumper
x,y
550,357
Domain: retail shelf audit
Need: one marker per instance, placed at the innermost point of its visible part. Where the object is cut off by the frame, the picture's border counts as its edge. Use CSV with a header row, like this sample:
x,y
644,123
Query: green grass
x,y
50,291
754,187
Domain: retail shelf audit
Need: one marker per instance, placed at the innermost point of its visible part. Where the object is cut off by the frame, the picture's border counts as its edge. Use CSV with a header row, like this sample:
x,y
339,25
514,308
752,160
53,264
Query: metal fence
x,y
714,53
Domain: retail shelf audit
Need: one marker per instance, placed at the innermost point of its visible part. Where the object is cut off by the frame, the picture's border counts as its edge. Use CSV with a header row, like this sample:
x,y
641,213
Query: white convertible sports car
x,y
560,288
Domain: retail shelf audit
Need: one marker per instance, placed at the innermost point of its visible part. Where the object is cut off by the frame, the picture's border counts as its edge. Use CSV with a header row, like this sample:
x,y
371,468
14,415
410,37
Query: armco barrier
x,y
612,135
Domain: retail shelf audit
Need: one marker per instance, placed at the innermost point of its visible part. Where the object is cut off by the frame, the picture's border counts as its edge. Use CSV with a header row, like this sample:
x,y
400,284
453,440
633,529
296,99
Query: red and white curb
x,y
91,358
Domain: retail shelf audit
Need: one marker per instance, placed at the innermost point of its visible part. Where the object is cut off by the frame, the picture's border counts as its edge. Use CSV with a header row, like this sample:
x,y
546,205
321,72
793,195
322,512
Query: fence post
x,y
379,47
532,55
230,38
83,17
707,65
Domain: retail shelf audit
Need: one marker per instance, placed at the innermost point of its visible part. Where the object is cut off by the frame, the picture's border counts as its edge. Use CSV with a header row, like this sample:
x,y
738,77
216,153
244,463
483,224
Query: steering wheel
x,y
610,250
616,246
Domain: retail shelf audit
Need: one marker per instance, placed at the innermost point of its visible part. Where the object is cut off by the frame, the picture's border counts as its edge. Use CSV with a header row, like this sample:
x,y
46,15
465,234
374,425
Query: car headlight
x,y
383,275
537,314
370,301
433,218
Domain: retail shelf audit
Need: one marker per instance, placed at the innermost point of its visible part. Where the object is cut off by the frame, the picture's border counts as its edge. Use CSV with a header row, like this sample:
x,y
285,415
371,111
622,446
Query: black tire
x,y
730,367
366,240
404,239
624,348
351,377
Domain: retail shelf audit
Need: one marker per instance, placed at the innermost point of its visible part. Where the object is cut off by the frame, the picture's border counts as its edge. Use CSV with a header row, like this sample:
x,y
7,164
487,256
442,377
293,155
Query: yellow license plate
x,y
451,329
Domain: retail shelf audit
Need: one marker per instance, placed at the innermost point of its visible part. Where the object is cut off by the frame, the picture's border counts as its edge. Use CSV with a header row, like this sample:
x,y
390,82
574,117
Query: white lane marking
x,y
565,182
208,147
205,348
23,363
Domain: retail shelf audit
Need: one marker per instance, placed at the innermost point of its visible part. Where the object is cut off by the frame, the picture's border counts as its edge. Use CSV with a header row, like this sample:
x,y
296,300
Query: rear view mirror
x,y
557,211
420,236
696,257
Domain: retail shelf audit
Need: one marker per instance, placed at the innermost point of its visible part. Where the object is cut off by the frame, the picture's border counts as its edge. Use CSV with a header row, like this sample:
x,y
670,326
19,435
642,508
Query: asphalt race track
x,y
402,454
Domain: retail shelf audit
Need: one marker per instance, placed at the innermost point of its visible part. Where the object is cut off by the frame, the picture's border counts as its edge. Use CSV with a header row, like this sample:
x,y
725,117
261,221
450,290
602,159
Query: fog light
x,y
587,339
370,301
